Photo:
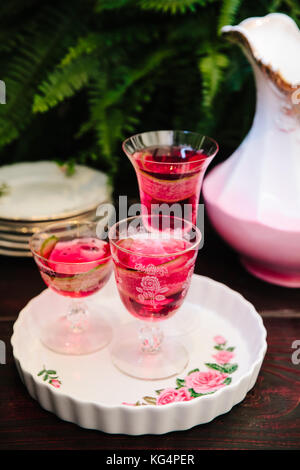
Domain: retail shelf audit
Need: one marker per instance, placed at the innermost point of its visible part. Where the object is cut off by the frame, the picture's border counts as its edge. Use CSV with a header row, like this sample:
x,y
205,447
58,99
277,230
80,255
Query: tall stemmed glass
x,y
75,263
154,259
170,166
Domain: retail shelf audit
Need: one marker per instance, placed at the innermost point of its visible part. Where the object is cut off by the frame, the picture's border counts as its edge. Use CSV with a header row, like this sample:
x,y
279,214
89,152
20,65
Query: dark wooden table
x,y
268,418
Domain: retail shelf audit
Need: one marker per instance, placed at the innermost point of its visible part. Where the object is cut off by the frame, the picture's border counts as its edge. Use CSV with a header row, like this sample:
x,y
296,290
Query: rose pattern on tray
x,y
198,383
50,376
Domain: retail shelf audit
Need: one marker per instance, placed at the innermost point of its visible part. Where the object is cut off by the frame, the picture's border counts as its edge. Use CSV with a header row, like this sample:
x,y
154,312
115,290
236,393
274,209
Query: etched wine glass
x,y
170,166
74,261
154,259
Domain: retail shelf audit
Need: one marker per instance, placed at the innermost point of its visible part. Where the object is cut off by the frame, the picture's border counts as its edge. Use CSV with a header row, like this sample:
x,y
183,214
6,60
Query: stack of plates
x,y
33,195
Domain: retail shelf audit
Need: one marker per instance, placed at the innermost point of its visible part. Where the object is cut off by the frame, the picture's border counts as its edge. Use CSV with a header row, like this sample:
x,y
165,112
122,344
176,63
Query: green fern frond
x,y
9,39
139,70
64,83
39,51
85,46
275,5
131,76
99,119
228,13
212,70
107,123
171,6
84,128
8,131
108,119
294,9
104,43
102,5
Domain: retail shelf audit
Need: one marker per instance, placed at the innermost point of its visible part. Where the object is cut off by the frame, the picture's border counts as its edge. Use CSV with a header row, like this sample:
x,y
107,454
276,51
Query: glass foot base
x,y
62,338
129,358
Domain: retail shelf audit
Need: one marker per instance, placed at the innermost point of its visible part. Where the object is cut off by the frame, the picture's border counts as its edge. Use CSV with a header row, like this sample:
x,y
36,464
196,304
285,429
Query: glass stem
x,y
151,338
77,316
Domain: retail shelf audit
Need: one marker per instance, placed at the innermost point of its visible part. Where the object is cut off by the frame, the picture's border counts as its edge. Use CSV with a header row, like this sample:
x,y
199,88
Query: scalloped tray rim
x,y
38,390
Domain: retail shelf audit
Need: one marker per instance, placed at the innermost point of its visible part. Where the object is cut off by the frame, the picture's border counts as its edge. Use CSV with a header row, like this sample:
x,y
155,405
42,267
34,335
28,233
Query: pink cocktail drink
x,y
170,172
170,175
78,267
154,258
153,287
74,261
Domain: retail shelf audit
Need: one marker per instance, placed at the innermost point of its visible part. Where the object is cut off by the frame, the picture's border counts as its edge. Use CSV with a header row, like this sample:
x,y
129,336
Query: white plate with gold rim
x,y
15,253
41,191
16,243
222,331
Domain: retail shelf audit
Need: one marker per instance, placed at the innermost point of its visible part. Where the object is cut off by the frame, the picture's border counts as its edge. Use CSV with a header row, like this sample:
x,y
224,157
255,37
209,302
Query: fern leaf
x,y
102,5
132,76
108,43
171,6
64,83
212,67
228,13
101,121
85,46
39,51
108,118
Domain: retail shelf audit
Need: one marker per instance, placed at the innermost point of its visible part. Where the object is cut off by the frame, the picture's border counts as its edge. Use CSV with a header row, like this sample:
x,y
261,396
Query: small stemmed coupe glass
x,y
154,259
170,166
75,262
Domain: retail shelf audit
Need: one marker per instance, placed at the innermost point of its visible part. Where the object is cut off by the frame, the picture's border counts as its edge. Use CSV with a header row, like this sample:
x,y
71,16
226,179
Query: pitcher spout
x,y
272,43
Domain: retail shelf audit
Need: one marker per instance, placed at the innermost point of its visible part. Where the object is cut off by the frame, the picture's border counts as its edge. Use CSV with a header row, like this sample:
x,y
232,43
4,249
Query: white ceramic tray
x,y
91,392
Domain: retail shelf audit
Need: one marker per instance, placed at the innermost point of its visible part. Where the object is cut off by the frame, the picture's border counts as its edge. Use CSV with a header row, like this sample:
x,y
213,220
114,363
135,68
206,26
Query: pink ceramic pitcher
x,y
253,198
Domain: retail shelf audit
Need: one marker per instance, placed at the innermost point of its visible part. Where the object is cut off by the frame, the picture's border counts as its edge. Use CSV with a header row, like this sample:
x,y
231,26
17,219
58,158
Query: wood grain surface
x,y
268,418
